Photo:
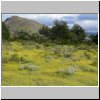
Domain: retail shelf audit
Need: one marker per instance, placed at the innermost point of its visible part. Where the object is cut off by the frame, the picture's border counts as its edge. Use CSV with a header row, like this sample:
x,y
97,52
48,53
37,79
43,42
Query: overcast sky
x,y
88,21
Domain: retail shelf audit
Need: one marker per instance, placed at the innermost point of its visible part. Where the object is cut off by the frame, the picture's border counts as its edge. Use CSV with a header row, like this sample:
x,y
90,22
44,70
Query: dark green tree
x,y
22,35
78,33
5,32
72,37
94,38
60,30
46,31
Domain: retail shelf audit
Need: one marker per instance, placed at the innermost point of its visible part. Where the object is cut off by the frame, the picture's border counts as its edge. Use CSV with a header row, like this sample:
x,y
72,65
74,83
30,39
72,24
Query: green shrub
x,y
87,55
61,70
57,50
47,58
81,47
15,46
66,54
70,70
5,32
88,68
5,59
29,67
14,57
94,63
17,59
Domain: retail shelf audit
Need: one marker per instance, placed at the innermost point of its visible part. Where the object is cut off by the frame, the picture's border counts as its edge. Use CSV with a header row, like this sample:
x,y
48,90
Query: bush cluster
x,y
59,33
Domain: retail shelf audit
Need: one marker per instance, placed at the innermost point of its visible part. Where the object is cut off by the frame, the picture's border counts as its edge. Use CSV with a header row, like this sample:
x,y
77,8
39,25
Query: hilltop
x,y
16,24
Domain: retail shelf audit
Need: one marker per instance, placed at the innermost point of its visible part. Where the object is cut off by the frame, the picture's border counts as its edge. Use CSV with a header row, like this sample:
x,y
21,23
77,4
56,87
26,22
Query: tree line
x,y
58,33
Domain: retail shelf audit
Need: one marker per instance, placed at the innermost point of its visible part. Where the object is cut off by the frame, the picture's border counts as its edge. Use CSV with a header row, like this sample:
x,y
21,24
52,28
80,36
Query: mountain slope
x,y
15,24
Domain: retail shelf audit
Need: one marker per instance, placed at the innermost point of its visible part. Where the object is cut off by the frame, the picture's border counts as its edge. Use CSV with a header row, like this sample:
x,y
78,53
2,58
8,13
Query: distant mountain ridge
x,y
16,24
92,32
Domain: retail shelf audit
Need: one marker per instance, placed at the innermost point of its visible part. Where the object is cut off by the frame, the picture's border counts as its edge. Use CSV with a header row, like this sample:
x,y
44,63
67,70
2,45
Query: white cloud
x,y
89,25
52,16
59,16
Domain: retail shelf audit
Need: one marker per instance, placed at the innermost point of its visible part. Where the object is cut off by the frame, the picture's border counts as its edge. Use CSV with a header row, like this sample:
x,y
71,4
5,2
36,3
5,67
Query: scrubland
x,y
27,63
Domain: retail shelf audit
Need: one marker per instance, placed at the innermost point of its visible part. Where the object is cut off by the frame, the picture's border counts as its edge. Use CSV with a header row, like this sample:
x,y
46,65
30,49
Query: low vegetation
x,y
35,64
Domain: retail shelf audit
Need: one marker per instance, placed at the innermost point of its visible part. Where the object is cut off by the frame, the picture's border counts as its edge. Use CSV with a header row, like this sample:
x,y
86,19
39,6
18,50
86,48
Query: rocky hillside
x,y
16,24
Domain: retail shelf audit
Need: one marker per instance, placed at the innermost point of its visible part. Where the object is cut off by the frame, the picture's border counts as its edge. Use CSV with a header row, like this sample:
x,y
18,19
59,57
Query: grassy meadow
x,y
27,63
